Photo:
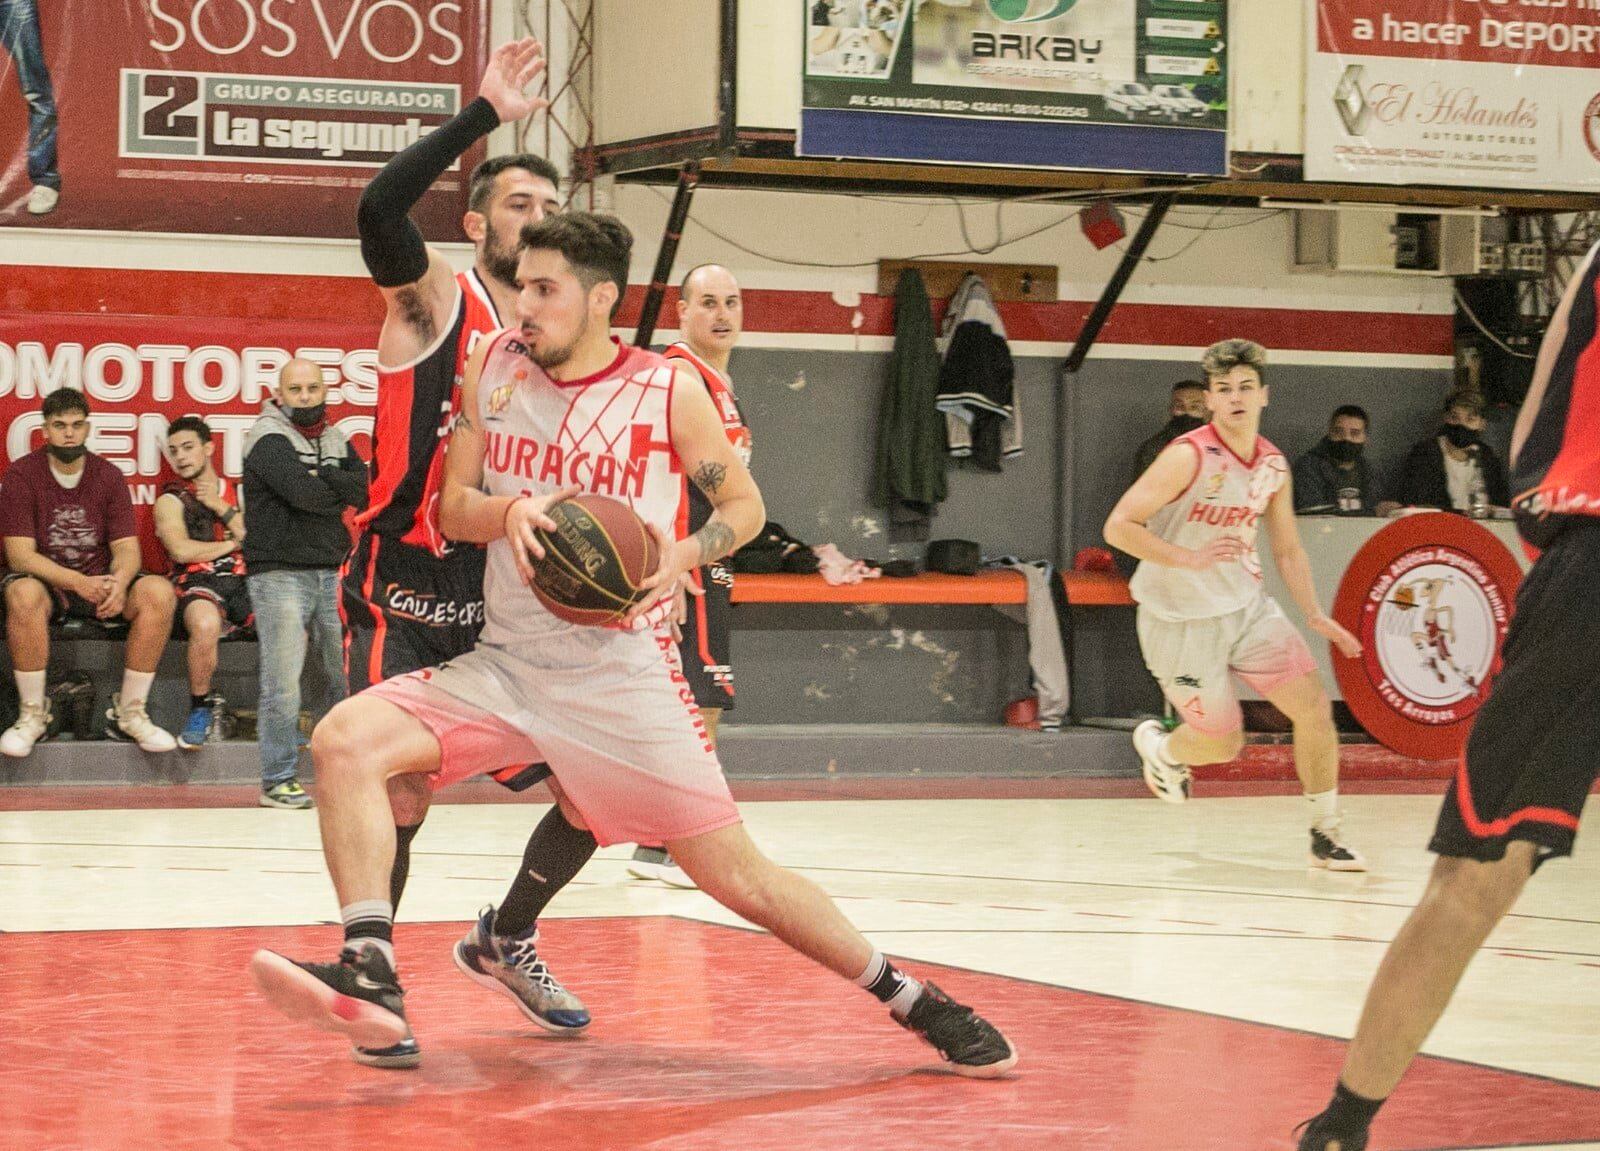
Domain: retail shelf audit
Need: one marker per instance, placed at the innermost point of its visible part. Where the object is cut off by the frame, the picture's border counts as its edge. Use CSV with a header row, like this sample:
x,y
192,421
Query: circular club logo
x,y
1430,598
1591,126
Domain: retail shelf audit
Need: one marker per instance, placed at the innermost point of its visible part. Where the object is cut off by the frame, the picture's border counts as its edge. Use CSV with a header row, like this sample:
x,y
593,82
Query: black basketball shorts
x,y
1534,751
406,609
704,651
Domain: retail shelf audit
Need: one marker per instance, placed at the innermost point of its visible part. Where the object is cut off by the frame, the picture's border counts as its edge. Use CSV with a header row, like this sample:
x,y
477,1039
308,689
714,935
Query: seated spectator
x,y
1333,478
198,522
1186,413
1446,469
73,551
300,474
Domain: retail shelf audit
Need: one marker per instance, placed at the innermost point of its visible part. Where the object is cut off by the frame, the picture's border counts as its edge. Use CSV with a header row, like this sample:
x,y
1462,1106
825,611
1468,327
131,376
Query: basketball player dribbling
x,y
710,316
550,408
1203,616
1532,755
409,597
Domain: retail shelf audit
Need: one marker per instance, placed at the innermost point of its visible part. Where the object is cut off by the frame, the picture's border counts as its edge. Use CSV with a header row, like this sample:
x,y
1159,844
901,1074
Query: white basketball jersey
x,y
608,433
1226,498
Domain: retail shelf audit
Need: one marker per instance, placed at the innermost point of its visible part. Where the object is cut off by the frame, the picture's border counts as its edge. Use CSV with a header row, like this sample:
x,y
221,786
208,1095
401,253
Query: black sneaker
x,y
1328,850
359,996
1314,1136
971,1045
403,1056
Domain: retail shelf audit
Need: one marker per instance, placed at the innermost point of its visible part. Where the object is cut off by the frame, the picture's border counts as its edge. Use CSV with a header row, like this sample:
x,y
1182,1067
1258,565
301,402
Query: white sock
x,y
30,687
135,686
1324,807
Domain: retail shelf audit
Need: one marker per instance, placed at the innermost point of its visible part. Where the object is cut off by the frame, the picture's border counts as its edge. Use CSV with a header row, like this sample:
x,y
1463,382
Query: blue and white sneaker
x,y
511,966
196,729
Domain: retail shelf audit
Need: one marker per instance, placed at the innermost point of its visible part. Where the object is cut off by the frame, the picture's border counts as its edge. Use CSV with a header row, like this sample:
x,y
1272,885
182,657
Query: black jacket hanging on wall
x,y
909,475
976,393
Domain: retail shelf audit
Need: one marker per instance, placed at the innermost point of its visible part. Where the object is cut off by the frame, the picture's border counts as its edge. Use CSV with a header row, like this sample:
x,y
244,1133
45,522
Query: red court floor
x,y
705,1037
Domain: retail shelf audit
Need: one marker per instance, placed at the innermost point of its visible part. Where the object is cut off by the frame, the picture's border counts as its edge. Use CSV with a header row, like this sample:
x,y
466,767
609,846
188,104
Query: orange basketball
x,y
594,560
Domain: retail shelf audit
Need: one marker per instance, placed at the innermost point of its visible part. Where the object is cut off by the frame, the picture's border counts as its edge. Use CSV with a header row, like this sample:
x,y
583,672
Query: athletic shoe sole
x,y
301,996
186,746
987,1070
494,984
388,1062
671,876
1356,864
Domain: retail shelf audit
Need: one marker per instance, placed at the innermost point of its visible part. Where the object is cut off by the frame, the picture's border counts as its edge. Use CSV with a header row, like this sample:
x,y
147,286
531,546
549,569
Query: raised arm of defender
x,y
418,285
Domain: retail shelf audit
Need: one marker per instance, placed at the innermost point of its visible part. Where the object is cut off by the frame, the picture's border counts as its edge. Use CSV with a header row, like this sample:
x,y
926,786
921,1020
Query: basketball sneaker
x,y
510,964
29,729
1315,1136
971,1044
403,1056
196,729
288,794
657,863
1328,851
359,996
1167,781
132,723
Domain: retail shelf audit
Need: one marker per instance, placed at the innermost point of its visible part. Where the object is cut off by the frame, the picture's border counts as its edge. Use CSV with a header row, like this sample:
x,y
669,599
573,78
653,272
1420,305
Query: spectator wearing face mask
x,y
1333,478
1187,412
1454,469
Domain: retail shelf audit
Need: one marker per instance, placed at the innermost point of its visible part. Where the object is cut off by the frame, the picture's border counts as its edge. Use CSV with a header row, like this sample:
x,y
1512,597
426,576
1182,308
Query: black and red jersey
x,y
202,524
1557,474
417,405
696,509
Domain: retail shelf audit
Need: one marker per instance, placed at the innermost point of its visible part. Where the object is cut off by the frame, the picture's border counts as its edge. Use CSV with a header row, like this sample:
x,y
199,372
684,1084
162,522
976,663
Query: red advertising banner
x,y
238,117
141,372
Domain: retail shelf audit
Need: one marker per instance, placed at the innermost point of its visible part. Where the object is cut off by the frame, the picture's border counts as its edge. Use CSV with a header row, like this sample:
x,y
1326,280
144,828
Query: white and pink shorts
x,y
609,711
1194,660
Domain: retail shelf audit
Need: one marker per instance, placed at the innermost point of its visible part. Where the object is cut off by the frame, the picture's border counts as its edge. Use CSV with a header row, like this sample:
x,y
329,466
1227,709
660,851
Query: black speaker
x,y
1507,369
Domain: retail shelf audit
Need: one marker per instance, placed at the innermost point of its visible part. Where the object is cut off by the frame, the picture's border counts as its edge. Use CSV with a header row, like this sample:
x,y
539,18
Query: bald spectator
x,y
300,476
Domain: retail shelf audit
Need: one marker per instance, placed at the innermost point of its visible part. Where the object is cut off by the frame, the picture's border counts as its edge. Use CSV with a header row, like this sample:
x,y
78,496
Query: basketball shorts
x,y
1194,660
1534,750
704,651
230,594
405,608
65,604
609,711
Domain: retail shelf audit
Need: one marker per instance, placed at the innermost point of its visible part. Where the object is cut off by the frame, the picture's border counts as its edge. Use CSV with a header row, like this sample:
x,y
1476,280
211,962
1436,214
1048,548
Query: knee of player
x,y
741,890
341,743
202,622
151,593
27,597
1475,892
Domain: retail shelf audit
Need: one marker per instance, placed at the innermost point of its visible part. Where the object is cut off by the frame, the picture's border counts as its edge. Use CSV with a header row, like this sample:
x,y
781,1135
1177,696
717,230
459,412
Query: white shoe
x,y
42,200
30,727
133,723
1329,850
655,863
1168,782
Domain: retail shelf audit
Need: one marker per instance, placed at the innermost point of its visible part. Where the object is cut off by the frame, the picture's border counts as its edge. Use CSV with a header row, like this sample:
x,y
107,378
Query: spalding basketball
x,y
594,561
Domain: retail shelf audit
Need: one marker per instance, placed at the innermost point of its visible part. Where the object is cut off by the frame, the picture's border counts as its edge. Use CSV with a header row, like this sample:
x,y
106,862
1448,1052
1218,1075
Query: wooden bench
x,y
1084,589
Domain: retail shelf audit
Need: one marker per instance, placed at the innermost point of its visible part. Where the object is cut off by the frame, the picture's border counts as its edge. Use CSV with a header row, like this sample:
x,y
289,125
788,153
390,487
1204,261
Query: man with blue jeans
x,y
19,36
300,474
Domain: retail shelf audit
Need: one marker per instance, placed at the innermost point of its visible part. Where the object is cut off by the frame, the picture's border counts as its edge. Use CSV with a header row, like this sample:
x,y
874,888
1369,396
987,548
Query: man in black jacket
x,y
1333,479
300,474
1186,412
1446,469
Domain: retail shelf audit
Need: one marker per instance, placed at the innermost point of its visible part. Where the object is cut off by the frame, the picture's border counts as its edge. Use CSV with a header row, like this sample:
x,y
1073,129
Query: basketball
x,y
594,561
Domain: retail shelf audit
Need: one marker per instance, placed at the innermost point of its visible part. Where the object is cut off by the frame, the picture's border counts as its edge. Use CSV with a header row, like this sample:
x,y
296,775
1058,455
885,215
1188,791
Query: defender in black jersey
x,y
1534,751
411,598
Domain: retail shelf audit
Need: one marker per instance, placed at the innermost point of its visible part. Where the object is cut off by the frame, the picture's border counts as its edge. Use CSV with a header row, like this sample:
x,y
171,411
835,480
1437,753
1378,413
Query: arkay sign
x,y
1481,93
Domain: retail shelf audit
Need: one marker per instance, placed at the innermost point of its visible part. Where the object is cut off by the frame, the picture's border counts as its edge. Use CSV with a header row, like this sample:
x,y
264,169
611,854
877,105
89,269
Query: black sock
x,y
401,870
197,701
1348,1113
888,984
556,852
370,919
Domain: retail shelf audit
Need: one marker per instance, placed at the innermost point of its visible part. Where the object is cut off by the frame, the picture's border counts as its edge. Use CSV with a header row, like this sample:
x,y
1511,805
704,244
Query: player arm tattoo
x,y
709,477
715,540
464,422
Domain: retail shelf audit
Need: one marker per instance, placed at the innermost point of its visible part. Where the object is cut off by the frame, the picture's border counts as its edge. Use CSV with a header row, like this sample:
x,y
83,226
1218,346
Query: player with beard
x,y
411,598
608,707
198,522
